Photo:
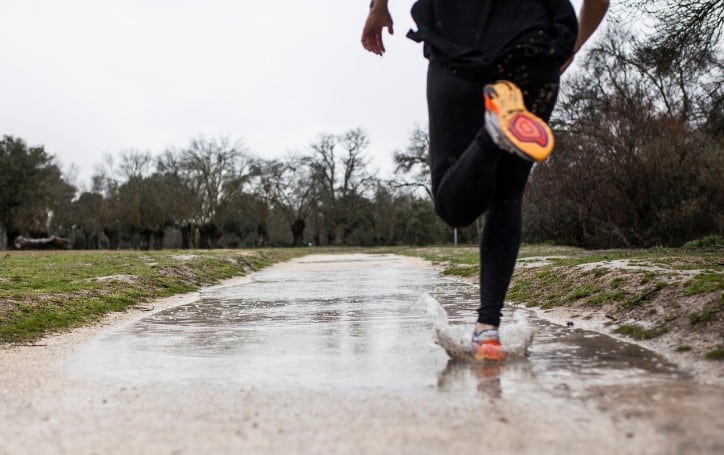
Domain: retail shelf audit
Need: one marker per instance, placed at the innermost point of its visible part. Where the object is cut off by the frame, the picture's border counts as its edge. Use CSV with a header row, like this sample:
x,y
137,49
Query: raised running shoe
x,y
511,126
486,345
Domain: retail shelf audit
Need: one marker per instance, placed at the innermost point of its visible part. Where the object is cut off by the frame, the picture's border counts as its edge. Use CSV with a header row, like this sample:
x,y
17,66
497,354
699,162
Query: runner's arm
x,y
589,18
377,19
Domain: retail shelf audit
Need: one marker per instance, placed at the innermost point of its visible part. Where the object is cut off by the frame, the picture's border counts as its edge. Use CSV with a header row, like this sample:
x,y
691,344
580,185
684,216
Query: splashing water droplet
x,y
516,335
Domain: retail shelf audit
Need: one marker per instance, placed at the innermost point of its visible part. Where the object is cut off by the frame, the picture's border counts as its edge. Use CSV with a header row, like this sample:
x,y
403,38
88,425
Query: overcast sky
x,y
89,77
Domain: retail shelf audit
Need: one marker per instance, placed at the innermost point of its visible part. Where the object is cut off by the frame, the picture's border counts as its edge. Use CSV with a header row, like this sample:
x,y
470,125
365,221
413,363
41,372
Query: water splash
x,y
516,334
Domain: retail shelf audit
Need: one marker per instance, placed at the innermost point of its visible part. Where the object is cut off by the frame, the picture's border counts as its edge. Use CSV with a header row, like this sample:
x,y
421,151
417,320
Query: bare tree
x,y
635,156
686,29
412,167
287,185
215,170
341,176
135,163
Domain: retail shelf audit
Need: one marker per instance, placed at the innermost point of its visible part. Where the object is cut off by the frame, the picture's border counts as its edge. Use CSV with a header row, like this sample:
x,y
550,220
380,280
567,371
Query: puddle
x,y
354,323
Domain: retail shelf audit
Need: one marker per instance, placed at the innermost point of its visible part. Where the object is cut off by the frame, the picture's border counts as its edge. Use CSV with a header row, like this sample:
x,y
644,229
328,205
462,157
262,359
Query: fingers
x,y
372,32
380,45
372,41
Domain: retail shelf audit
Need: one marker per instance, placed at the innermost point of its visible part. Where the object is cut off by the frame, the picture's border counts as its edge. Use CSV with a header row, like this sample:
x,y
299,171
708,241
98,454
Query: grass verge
x,y
45,292
679,292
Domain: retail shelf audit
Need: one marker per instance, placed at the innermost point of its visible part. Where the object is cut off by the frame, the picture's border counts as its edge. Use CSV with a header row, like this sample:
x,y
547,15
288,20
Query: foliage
x,y
708,242
639,333
33,189
414,163
638,161
688,29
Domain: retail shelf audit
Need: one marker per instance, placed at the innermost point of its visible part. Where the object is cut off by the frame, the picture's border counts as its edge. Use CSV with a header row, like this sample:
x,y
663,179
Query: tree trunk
x,y
113,238
263,234
158,237
185,236
145,243
298,232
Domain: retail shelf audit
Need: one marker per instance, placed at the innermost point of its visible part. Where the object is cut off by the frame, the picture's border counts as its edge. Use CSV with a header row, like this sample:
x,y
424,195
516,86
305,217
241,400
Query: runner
x,y
492,83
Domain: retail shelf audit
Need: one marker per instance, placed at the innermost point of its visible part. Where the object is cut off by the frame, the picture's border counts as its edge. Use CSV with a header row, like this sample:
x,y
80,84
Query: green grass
x,y
640,298
605,297
45,292
716,354
648,276
684,348
703,283
462,270
702,317
708,242
583,291
639,333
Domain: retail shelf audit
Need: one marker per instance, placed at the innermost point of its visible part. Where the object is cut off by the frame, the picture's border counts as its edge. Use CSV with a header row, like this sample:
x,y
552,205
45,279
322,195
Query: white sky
x,y
88,77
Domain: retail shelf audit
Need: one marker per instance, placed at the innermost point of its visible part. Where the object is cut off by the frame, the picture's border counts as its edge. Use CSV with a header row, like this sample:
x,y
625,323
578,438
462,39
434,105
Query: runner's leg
x,y
501,237
463,159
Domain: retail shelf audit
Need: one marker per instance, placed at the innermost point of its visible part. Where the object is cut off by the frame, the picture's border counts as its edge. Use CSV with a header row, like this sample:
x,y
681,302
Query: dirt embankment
x,y
670,301
674,306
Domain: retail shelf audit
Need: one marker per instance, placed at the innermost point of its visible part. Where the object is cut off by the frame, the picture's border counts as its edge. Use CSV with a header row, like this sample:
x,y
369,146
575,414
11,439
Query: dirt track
x,y
46,407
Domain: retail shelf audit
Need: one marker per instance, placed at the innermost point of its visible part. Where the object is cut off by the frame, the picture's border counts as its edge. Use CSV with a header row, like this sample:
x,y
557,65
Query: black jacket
x,y
472,34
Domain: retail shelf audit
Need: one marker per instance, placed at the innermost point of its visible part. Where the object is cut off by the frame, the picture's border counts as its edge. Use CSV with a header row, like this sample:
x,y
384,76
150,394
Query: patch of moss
x,y
584,291
462,270
702,317
520,290
716,354
639,333
648,276
708,242
547,276
703,283
636,300
605,297
684,348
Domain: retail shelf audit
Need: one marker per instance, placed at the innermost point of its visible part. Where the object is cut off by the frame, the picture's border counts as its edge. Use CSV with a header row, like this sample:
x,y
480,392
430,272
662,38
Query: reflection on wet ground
x,y
355,324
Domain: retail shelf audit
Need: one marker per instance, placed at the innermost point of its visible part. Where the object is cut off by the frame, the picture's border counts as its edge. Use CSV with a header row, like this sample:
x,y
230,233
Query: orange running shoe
x,y
486,345
511,126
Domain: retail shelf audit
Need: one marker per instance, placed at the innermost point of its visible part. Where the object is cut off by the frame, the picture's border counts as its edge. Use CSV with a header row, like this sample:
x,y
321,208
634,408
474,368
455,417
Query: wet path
x,y
354,324
335,354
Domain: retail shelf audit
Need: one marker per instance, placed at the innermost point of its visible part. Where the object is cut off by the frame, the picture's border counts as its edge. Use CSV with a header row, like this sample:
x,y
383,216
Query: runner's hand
x,y
372,32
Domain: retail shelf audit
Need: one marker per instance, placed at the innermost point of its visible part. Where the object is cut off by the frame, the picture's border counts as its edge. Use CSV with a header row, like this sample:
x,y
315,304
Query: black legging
x,y
472,176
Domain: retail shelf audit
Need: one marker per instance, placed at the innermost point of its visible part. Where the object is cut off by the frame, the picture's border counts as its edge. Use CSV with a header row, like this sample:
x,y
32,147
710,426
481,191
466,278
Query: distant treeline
x,y
639,161
214,194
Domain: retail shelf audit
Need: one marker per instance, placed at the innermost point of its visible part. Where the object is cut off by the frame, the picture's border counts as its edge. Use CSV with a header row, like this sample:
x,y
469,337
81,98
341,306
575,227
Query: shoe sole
x,y
488,352
512,127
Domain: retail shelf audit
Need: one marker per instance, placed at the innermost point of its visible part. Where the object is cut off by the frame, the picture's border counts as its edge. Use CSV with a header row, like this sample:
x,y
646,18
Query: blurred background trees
x,y
214,194
639,162
33,191
639,159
